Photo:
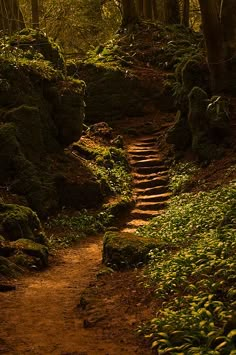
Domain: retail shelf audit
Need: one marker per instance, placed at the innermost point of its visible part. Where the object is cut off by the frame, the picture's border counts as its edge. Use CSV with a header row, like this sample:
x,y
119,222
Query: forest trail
x,y
69,309
43,315
150,180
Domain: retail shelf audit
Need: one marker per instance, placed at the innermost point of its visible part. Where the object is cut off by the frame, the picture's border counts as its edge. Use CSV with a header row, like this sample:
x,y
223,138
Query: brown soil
x,y
46,314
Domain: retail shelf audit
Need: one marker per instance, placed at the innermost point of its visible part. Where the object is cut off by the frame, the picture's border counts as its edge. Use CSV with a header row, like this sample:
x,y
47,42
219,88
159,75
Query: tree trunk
x,y
154,10
228,20
139,7
214,43
172,12
129,15
35,13
147,9
11,19
185,14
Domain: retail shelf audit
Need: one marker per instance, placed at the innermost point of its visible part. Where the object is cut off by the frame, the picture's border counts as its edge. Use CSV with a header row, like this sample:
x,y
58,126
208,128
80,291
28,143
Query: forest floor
x,y
76,306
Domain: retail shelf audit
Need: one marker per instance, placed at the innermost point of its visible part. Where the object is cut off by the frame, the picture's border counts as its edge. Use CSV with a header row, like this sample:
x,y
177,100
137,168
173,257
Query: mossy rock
x,y
18,222
33,249
126,250
79,195
28,130
8,268
32,41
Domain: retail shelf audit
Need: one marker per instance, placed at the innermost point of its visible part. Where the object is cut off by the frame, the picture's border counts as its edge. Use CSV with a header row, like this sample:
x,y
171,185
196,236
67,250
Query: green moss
x,y
19,222
31,41
124,250
31,248
8,268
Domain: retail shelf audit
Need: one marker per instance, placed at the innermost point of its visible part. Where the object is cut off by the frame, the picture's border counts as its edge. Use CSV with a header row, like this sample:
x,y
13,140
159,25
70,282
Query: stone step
x,y
143,157
129,230
144,144
151,191
135,223
144,214
150,169
162,174
138,152
151,206
154,198
143,184
148,140
146,163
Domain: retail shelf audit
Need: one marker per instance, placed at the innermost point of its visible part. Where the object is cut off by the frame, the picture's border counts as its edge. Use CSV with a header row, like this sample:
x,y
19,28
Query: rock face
x,y
126,250
40,114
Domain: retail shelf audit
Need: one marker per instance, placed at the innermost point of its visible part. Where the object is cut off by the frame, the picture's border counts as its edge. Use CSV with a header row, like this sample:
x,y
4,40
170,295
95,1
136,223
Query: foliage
x,y
92,21
111,168
180,176
73,228
195,276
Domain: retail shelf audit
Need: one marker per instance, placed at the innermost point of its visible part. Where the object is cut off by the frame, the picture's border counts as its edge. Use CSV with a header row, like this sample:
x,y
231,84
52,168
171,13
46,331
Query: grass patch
x,y
195,279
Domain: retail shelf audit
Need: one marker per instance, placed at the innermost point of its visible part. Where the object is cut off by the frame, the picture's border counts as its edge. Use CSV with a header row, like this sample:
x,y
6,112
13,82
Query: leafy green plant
x,y
180,176
73,228
195,277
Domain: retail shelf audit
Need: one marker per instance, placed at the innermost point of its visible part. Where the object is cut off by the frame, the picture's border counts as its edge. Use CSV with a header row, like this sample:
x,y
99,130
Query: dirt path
x,y
69,309
42,316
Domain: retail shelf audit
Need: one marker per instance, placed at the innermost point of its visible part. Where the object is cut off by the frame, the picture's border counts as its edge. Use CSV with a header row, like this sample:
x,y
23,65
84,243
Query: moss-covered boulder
x,y
33,41
38,251
126,250
8,268
18,222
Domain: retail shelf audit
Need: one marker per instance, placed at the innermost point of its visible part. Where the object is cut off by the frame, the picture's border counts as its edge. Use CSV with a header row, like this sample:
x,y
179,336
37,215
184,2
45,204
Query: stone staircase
x,y
150,182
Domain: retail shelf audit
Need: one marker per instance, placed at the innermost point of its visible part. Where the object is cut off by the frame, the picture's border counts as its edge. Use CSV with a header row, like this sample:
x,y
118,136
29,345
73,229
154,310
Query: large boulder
x,y
126,250
17,222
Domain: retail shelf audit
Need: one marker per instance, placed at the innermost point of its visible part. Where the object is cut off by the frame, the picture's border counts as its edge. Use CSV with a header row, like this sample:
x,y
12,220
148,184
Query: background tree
x,y
35,13
172,12
11,19
219,27
129,13
185,13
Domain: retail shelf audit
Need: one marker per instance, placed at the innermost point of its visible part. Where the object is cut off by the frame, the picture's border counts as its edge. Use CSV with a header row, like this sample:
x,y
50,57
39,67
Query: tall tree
x,y
214,38
147,9
11,19
139,7
35,13
172,11
185,13
129,13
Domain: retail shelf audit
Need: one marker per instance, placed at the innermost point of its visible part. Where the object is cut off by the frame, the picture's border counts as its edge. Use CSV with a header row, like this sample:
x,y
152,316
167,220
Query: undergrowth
x,y
109,165
180,176
74,228
194,277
